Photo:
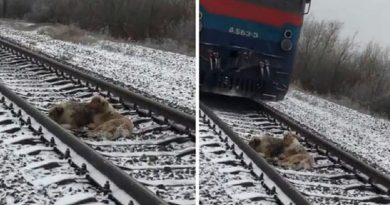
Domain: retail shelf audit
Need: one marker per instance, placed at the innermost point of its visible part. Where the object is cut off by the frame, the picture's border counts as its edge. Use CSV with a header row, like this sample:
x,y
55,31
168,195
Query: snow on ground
x,y
361,134
23,181
165,76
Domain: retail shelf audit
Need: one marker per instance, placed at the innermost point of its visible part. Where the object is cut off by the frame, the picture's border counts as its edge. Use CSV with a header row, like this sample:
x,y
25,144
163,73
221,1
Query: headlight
x,y
286,44
287,33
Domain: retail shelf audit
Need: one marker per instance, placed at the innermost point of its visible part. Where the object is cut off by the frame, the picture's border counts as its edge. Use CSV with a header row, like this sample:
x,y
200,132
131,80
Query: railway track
x,y
229,175
40,165
337,178
160,158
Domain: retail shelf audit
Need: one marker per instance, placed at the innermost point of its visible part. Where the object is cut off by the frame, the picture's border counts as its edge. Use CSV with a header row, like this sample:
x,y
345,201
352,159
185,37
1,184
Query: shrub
x,y
126,19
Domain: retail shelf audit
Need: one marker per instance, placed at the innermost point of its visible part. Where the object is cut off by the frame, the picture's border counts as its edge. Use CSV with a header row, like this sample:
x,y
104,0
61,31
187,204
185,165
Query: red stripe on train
x,y
251,12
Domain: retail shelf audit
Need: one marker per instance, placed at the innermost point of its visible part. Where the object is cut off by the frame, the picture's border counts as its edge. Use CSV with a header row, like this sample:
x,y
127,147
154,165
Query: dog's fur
x,y
71,115
294,154
291,145
287,152
298,161
267,146
107,122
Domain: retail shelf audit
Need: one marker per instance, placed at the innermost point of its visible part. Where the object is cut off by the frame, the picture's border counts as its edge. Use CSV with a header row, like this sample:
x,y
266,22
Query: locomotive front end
x,y
247,47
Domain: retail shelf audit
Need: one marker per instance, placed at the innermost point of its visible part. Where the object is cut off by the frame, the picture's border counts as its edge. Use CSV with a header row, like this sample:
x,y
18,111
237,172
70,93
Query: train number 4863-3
x,y
243,32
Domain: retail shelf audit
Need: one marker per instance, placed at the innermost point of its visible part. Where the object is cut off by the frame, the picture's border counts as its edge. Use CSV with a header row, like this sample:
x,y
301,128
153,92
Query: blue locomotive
x,y
247,47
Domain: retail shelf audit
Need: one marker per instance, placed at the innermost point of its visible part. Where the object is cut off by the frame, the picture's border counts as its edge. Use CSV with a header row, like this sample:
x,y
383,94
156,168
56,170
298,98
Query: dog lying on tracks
x,y
294,154
71,115
98,115
267,146
286,152
106,121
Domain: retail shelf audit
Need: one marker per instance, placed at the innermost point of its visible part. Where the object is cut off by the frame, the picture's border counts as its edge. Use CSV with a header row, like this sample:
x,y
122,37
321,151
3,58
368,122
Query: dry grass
x,y
135,20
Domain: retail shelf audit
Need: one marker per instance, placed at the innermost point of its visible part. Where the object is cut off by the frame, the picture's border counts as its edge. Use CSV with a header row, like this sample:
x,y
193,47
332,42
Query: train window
x,y
307,6
296,6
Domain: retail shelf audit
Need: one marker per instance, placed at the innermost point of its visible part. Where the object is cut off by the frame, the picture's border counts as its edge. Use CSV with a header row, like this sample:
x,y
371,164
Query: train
x,y
247,47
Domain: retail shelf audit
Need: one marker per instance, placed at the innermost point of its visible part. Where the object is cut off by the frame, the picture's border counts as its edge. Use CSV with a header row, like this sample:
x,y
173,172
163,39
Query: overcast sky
x,y
370,18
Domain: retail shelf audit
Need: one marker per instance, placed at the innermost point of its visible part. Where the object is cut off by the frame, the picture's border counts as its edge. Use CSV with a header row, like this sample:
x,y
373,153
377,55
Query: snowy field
x,y
365,136
165,76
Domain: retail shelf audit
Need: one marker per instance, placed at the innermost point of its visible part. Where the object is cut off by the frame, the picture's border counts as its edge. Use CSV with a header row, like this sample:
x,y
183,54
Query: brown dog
x,y
298,161
294,155
286,152
267,146
107,122
71,115
291,145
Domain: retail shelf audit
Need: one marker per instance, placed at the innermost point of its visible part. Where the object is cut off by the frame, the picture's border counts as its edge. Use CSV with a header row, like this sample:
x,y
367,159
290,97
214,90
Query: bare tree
x,y
329,64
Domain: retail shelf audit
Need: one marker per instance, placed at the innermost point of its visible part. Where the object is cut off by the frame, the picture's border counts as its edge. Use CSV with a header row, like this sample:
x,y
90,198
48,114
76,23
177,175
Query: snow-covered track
x,y
337,178
232,173
36,169
161,158
77,75
43,164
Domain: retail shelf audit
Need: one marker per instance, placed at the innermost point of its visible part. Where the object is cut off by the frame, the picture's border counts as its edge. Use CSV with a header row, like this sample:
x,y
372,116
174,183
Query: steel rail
x,y
295,196
123,181
126,95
